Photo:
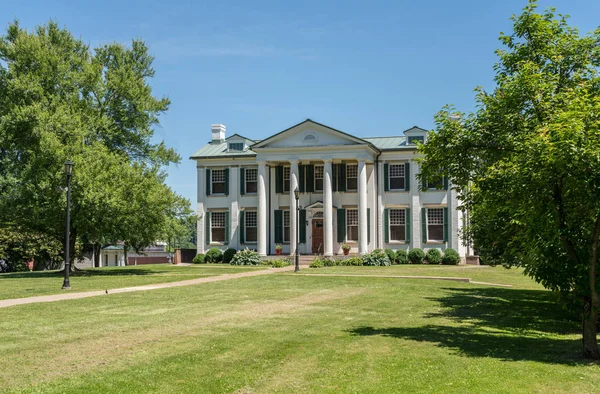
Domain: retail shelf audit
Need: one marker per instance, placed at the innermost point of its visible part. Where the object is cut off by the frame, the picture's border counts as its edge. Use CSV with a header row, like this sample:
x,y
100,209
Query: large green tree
x,y
61,100
526,163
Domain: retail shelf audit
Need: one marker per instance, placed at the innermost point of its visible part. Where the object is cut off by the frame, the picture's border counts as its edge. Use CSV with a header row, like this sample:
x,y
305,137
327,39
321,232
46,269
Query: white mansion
x,y
359,191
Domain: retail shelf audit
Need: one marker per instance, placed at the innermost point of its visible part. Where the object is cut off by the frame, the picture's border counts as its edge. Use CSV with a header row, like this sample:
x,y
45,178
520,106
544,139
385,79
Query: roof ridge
x,y
387,136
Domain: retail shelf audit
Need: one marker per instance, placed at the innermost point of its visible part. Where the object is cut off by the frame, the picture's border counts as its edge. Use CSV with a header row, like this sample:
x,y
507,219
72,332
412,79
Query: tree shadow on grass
x,y
81,273
508,324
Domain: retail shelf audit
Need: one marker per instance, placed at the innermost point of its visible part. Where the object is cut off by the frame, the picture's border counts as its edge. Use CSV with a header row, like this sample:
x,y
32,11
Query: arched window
x,y
310,138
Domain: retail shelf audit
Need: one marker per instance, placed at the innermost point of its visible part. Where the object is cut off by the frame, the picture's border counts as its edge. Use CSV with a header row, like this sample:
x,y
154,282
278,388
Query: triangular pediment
x,y
309,133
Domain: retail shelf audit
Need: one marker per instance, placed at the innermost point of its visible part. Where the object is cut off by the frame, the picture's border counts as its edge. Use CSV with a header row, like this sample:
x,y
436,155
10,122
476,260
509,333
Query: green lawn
x,y
301,333
28,284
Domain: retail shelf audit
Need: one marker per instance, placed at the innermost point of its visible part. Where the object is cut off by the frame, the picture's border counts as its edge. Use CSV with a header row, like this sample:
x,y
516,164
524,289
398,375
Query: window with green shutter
x,y
310,176
278,217
242,181
408,225
369,225
302,225
386,177
386,225
241,227
226,228
227,181
341,225
279,179
341,179
407,176
207,227
446,224
208,182
301,178
424,224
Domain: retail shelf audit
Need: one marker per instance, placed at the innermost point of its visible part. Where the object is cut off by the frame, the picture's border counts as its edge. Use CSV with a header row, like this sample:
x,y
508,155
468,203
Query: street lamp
x,y
68,170
297,196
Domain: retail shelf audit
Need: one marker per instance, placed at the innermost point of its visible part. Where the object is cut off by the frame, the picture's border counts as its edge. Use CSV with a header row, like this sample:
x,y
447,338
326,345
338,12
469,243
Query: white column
x,y
362,208
415,207
380,192
234,211
262,209
200,236
327,210
293,223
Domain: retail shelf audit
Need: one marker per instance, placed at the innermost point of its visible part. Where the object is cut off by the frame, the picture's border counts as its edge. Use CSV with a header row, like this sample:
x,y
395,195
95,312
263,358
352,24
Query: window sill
x,y
397,242
352,242
249,194
218,195
249,243
397,191
217,244
435,243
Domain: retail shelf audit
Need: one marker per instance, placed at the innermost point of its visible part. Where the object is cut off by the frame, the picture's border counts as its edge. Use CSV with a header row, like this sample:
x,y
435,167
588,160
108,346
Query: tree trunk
x,y
590,327
72,242
125,249
96,253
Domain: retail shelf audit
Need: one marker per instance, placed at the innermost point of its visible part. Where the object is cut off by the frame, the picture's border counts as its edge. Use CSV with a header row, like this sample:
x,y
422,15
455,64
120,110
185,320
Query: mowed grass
x,y
300,333
497,275
28,284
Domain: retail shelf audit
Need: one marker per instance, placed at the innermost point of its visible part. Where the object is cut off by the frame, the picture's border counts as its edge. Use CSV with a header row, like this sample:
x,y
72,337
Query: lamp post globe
x,y
68,170
297,256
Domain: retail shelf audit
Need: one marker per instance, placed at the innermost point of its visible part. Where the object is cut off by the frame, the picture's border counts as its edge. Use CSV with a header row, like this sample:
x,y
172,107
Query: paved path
x,y
451,278
96,293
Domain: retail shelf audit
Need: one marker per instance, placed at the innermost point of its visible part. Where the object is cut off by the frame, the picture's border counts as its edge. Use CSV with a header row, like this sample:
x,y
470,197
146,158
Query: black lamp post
x,y
297,196
68,170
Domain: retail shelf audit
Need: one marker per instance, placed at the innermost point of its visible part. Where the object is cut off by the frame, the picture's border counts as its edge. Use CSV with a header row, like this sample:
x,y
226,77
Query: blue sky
x,y
369,68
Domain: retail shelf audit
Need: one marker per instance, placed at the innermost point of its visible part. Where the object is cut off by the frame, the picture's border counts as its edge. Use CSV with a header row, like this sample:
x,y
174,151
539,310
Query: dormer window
x,y
412,140
236,146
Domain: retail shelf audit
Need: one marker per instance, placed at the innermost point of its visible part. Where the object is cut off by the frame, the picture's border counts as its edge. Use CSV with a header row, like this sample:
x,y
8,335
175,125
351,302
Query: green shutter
x,y
368,225
207,227
242,181
445,224
342,178
386,177
310,178
241,227
278,226
407,176
227,181
208,182
301,178
424,224
279,179
386,224
341,224
408,224
334,177
445,183
226,228
302,224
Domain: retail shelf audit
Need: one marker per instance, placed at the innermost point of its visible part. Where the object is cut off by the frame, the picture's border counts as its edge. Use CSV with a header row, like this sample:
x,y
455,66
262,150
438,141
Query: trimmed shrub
x,y
228,255
352,261
214,255
317,263
327,262
401,256
376,258
433,256
246,257
200,258
391,255
416,256
280,263
451,257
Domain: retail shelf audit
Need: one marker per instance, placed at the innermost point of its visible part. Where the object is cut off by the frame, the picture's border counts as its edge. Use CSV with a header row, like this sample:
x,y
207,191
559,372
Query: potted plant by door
x,y
278,249
346,249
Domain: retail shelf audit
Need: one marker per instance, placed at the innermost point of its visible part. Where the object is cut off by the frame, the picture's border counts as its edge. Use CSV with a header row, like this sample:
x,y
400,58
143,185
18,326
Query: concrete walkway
x,y
73,296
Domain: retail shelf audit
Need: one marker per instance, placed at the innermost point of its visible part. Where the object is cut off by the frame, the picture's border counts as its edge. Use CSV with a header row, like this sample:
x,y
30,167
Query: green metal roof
x,y
389,143
213,149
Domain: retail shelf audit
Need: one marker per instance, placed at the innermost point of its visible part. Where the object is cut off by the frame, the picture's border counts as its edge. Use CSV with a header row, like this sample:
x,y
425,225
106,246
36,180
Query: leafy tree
x,y
527,162
60,100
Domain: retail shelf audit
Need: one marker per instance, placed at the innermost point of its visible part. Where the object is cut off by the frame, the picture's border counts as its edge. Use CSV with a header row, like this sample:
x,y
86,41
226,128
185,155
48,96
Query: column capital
x,y
327,160
294,161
